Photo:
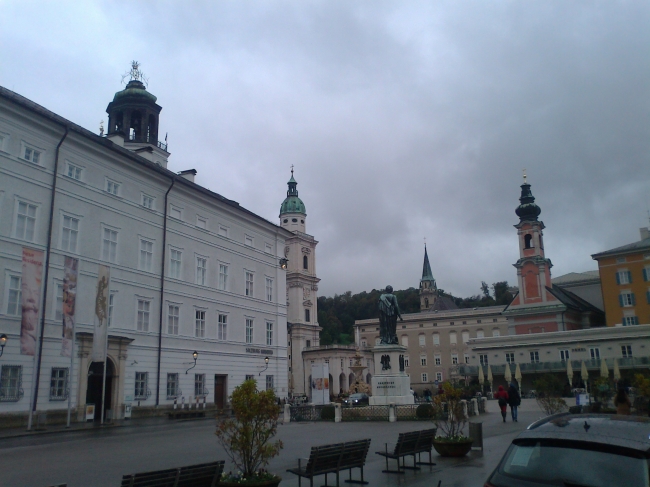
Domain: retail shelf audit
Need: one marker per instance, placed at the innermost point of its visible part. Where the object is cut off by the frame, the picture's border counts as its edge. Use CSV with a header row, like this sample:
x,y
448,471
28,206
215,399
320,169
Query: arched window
x,y
305,262
528,241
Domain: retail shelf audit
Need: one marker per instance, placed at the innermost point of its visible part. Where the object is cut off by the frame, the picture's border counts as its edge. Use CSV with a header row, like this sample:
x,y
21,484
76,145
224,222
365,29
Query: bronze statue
x,y
388,314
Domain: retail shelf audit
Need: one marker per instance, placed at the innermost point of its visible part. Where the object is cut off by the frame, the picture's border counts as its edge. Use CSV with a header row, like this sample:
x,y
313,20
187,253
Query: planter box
x,y
453,449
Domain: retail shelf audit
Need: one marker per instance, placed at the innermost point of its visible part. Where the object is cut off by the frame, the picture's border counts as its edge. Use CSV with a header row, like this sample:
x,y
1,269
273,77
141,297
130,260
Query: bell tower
x,y
428,288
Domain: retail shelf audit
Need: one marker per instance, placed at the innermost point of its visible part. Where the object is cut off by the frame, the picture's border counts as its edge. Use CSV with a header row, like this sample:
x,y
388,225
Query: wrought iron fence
x,y
365,413
311,413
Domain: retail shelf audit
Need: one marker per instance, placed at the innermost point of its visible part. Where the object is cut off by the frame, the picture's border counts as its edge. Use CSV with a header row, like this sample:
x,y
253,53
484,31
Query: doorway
x,y
94,389
220,390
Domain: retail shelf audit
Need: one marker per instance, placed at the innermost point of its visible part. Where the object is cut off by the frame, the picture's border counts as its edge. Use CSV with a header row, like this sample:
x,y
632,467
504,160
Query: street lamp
x,y
266,362
195,355
283,263
3,342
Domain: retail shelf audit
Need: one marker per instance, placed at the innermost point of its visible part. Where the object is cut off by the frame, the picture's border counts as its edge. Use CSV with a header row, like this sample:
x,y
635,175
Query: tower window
x,y
294,220
302,221
286,220
305,262
528,241
307,317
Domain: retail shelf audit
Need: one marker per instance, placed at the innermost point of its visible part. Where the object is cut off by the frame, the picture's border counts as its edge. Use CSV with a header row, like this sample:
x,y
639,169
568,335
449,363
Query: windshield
x,y
356,396
576,464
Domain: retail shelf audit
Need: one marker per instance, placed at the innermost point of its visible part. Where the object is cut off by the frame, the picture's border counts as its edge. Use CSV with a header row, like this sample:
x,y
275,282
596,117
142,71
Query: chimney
x,y
644,233
188,174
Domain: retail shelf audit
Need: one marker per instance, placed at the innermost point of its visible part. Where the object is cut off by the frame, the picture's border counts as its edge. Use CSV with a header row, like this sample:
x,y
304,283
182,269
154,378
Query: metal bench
x,y
409,444
201,475
327,459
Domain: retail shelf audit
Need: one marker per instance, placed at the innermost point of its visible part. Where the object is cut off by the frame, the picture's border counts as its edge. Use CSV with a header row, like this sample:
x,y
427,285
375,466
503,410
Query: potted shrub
x,y
450,420
247,436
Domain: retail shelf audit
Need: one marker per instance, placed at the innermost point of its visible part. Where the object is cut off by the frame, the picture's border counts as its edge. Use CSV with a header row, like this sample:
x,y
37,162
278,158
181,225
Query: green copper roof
x,y
137,89
427,275
292,204
527,210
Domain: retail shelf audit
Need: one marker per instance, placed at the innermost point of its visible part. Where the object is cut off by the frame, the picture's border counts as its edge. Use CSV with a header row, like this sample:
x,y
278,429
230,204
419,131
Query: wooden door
x,y
220,391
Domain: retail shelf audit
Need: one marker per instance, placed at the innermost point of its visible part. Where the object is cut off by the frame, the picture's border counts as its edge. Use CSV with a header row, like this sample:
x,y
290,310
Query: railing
x,y
309,413
148,140
330,347
559,366
365,413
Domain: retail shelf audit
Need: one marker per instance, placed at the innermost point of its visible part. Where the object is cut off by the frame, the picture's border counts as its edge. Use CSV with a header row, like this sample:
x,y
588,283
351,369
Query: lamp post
x,y
3,342
195,355
266,362
283,263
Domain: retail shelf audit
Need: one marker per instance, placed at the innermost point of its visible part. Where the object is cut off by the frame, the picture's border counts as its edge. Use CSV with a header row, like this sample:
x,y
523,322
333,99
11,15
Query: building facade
x,y
190,270
625,276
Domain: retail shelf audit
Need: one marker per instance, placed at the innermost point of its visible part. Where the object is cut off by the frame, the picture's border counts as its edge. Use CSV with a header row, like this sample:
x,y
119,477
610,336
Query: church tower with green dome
x,y
302,288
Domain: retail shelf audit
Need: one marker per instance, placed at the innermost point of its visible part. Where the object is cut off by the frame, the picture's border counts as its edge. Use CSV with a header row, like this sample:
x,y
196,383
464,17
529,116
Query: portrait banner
x,y
101,315
70,273
30,288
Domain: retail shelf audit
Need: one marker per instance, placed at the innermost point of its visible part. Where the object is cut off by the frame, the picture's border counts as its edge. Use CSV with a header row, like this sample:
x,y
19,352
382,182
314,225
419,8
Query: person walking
x,y
622,402
502,396
514,400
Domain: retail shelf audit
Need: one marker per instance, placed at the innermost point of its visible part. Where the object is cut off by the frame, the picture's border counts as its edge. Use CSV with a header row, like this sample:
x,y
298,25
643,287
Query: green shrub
x,y
327,413
424,411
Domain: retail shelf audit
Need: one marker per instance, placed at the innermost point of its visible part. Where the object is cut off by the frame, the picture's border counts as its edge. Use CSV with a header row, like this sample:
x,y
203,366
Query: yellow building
x,y
625,280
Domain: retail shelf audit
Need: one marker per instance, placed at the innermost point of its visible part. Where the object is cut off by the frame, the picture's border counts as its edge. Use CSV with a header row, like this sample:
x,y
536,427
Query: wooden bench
x,y
409,444
201,475
327,459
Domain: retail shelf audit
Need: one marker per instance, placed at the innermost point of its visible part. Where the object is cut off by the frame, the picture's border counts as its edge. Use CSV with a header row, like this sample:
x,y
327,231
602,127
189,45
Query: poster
x,y
32,277
70,272
101,315
320,384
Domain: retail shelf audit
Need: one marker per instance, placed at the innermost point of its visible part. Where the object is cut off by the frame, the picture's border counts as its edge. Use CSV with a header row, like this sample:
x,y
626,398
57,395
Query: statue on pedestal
x,y
388,314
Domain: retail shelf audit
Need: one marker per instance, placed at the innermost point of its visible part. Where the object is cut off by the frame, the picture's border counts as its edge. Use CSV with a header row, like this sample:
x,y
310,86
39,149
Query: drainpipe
x,y
162,292
47,268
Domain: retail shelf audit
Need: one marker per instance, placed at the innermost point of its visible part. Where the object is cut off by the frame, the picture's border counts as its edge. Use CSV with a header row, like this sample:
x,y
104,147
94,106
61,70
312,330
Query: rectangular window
x,y
626,299
437,359
623,277
144,307
109,245
423,360
626,351
307,316
172,386
25,221
436,339
268,249
146,255
439,376
223,277
201,222
11,378
175,213
422,340
480,334
407,362
141,390
249,284
534,357
454,359
425,377
15,296
199,385
199,323
31,155
175,263
69,233
112,187
58,309
483,359
222,327
201,270
269,383
248,241
147,201
465,336
308,344
173,314
496,332
111,305
594,353
74,172
59,384
269,290
630,320
269,333
250,377
249,330
452,338
466,357
510,357
564,355
223,231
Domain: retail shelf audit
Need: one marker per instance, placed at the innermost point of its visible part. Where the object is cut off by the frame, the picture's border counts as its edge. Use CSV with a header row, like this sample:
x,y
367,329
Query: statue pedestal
x,y
390,385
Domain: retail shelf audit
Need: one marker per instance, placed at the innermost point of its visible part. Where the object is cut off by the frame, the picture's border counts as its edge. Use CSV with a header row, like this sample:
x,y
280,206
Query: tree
x,y
485,288
502,296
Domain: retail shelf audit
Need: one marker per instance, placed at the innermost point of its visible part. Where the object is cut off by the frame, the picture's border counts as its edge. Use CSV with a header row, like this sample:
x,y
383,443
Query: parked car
x,y
577,450
357,399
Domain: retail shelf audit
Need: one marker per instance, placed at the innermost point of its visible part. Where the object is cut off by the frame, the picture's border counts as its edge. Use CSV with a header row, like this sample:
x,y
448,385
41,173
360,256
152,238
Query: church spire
x,y
427,275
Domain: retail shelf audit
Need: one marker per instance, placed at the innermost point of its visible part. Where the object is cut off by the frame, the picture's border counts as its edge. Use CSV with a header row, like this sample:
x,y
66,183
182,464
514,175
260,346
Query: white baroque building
x,y
190,270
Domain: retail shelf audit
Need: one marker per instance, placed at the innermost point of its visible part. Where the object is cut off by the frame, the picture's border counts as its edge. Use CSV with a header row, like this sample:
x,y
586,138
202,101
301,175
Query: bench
x,y
410,444
334,458
186,414
201,475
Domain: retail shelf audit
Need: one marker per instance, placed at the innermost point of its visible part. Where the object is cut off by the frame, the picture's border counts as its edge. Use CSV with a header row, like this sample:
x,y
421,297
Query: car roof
x,y
611,429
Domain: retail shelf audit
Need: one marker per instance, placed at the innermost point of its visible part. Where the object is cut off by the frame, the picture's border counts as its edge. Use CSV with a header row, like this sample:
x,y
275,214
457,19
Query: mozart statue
x,y
388,314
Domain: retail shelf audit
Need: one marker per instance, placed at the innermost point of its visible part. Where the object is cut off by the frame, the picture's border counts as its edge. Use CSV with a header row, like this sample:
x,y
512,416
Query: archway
x,y
342,383
94,388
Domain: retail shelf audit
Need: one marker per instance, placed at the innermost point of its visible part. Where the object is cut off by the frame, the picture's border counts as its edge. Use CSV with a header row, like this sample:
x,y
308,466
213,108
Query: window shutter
x,y
618,279
620,298
645,275
633,299
629,277
647,295
636,320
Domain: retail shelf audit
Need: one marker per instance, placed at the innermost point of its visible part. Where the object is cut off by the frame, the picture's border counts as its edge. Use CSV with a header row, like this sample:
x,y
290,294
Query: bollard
x,y
476,434
183,402
463,403
203,402
337,413
175,402
474,407
287,413
391,413
485,409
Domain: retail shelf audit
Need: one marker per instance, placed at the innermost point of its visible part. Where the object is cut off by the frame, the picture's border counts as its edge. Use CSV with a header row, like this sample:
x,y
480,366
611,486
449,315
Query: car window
x,y
578,463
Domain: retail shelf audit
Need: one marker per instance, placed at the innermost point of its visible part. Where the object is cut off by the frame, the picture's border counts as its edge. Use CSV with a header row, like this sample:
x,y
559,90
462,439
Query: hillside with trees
x,y
337,315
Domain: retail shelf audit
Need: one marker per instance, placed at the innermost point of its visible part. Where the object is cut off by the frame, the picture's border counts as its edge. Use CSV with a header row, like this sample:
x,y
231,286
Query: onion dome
x,y
292,204
527,210
134,89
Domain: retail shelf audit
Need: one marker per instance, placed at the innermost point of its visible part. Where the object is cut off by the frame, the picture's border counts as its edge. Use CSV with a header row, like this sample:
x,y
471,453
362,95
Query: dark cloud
x,y
404,120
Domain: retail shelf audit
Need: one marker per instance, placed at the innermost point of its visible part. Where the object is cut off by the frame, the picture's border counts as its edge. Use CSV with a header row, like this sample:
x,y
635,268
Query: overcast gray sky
x,y
404,120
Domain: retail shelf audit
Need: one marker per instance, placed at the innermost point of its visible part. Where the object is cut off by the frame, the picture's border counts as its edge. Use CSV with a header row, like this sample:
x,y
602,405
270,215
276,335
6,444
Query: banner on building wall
x,y
320,384
101,315
70,273
32,277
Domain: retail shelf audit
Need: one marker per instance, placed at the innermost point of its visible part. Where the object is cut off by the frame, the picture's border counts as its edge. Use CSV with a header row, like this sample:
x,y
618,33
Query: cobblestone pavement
x,y
99,457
